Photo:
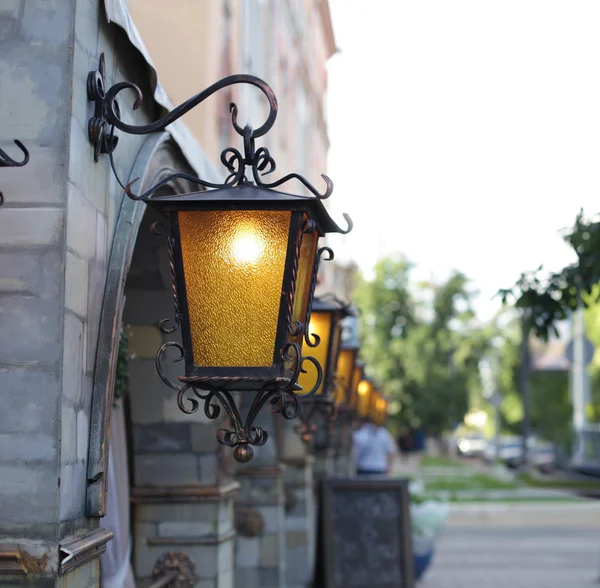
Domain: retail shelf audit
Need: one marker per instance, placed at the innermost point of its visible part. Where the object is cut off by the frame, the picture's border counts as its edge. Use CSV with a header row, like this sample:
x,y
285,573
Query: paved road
x,y
537,546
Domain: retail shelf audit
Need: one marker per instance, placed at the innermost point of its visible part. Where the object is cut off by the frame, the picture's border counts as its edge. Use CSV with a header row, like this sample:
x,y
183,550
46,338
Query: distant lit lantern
x,y
243,260
377,407
323,341
357,376
344,372
364,391
382,411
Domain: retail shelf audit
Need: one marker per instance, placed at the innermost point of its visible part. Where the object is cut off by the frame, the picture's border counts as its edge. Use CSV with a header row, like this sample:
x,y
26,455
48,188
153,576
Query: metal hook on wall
x,y
7,161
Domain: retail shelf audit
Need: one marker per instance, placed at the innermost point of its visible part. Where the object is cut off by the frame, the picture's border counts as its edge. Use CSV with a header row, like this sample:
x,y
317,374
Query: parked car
x,y
542,454
509,448
471,445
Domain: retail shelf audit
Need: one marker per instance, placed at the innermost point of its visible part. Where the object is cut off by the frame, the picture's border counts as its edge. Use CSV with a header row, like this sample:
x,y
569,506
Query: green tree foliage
x,y
423,348
545,301
551,409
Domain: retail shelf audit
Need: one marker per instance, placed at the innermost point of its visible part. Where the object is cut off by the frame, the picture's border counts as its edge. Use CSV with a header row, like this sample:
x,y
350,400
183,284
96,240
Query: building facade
x,y
103,481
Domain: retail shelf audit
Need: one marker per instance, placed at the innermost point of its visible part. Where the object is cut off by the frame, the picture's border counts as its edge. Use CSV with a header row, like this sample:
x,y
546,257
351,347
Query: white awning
x,y
117,13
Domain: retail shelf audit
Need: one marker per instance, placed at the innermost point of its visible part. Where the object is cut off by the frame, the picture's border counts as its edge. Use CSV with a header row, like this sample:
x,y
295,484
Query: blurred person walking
x,y
374,450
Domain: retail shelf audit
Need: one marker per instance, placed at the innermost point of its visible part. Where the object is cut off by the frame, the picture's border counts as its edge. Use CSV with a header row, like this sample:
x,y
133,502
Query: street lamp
x,y
326,328
379,407
357,376
243,259
365,391
345,369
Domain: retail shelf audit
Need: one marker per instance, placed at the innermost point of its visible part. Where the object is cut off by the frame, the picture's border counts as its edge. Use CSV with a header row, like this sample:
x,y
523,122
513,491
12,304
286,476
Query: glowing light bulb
x,y
363,388
247,247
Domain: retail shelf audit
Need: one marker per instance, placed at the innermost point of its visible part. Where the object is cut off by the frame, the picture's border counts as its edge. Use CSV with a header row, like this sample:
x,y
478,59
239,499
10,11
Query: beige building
x,y
285,42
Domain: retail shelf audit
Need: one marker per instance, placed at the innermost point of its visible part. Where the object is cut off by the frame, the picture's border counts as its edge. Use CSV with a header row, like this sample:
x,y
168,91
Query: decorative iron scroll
x,y
177,570
252,165
276,394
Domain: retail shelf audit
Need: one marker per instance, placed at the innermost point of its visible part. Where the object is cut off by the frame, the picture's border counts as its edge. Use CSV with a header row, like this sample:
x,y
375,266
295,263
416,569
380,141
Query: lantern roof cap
x,y
247,195
349,345
327,304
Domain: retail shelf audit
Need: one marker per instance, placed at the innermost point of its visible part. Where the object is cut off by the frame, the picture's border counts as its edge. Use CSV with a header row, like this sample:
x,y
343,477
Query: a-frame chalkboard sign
x,y
364,534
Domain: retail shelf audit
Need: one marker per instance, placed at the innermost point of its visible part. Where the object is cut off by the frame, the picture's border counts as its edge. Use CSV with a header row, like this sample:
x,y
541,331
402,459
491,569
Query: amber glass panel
x,y
320,324
374,405
335,346
233,263
356,378
364,394
345,365
306,264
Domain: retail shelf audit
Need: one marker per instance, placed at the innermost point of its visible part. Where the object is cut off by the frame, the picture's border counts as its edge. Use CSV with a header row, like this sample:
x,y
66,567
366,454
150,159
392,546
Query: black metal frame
x,y
353,392
326,544
354,349
322,406
7,161
245,189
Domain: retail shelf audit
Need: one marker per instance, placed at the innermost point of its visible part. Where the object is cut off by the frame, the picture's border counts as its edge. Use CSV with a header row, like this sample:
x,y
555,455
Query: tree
x,y
423,347
545,301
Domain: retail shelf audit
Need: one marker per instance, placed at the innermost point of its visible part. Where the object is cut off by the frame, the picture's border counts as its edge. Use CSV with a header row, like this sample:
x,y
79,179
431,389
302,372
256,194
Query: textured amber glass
x,y
374,405
233,263
364,395
357,375
306,263
345,365
320,324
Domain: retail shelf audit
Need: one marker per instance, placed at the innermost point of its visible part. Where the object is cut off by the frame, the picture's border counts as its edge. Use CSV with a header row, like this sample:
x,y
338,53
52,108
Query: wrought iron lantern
x,y
375,407
365,392
342,397
357,376
325,327
380,409
344,371
244,260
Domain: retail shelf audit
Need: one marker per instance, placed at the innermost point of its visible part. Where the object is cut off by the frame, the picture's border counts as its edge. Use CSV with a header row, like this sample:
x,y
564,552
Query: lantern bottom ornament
x,y
243,433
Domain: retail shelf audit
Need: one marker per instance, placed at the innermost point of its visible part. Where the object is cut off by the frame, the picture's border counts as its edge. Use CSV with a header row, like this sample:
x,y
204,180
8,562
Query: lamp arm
x,y
112,111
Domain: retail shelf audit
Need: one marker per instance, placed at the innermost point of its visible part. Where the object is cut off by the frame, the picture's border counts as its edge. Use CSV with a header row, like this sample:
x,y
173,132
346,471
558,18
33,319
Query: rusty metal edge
x,y
110,320
79,550
11,562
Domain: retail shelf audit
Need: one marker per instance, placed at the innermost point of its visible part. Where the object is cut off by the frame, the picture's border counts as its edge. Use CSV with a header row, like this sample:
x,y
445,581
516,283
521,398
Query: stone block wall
x,y
192,522
34,106
260,561
300,522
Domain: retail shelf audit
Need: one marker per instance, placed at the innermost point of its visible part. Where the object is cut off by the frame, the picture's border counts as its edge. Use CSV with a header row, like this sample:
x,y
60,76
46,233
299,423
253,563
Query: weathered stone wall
x,y
35,65
260,561
56,229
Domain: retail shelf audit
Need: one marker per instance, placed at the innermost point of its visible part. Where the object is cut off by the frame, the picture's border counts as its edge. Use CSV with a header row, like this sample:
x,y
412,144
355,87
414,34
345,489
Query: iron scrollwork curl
x,y
243,433
315,340
7,161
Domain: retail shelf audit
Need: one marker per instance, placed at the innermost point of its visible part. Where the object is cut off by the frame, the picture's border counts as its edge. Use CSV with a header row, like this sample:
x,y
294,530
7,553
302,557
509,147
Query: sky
x,y
464,134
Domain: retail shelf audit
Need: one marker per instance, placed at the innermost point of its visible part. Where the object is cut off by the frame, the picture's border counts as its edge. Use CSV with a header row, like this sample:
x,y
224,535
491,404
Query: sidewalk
x,y
518,546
